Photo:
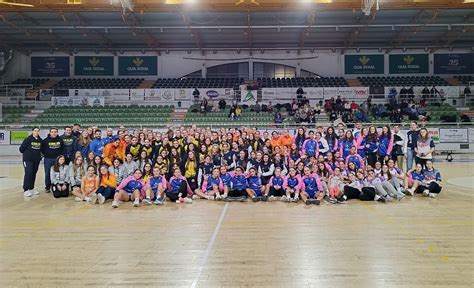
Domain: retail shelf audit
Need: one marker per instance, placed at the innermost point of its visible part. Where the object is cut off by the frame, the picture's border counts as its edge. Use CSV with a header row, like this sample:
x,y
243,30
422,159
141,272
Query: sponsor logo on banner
x,y
153,95
95,101
17,137
454,63
408,63
449,135
96,65
345,92
364,64
168,94
250,97
137,65
434,134
212,94
49,66
330,92
269,94
182,94
121,94
105,92
314,93
361,92
4,137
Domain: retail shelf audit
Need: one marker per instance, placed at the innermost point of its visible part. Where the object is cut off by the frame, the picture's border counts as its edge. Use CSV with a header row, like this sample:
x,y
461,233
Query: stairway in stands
x,y
146,84
454,82
48,84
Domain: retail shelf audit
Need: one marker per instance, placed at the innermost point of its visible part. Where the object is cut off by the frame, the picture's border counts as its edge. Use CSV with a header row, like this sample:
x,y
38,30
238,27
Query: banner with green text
x,y
138,66
364,64
408,63
94,66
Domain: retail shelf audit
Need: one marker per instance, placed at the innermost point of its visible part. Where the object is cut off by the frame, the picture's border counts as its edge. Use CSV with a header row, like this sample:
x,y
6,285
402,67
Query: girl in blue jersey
x,y
432,182
276,186
293,186
371,146
312,190
361,141
331,138
385,145
300,138
346,143
238,189
211,187
178,189
255,189
355,158
155,188
310,146
226,181
414,179
130,190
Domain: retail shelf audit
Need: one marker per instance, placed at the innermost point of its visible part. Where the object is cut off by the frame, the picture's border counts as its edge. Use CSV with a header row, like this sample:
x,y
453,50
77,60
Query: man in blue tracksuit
x,y
51,147
97,145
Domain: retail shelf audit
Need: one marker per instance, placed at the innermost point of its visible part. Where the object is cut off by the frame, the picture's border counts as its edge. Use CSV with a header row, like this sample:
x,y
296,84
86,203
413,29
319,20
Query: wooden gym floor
x,y
418,242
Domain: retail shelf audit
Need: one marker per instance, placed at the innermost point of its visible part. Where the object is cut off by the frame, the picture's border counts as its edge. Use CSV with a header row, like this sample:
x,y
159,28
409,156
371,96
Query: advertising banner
x,y
444,91
152,95
168,94
182,94
78,101
96,101
314,93
94,65
106,92
364,64
269,94
46,94
454,63
285,93
138,66
454,135
361,92
330,92
49,66
121,94
249,97
17,137
408,63
434,134
83,92
4,137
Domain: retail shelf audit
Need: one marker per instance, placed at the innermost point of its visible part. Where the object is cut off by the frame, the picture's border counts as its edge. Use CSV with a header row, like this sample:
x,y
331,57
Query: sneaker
x,y
188,200
410,191
93,198
218,197
316,202
28,193
87,199
271,198
228,199
296,199
264,198
158,202
255,199
210,198
382,199
433,195
180,200
195,197
115,204
136,203
307,202
284,198
399,198
426,192
389,198
47,190
241,199
332,200
34,192
77,199
342,200
101,199
147,201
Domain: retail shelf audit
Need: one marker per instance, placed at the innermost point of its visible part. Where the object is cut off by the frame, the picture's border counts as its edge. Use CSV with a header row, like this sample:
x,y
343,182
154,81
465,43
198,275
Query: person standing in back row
x,y
31,150
51,147
70,144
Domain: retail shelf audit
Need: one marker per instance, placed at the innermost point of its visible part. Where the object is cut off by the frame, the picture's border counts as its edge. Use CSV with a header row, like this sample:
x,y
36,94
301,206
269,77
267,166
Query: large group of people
x,y
332,164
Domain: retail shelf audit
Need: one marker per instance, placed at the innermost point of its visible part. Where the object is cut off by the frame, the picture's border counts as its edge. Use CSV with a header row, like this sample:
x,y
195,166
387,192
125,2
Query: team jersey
x,y
346,147
239,182
356,159
277,181
255,183
294,182
211,181
312,184
131,184
385,145
432,175
310,147
226,179
414,175
154,182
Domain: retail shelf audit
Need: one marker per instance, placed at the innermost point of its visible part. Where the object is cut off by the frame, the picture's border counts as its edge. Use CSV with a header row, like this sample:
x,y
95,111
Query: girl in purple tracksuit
x,y
226,180
255,189
178,188
331,138
312,190
355,158
385,145
293,184
361,141
414,179
238,184
212,186
310,146
131,189
346,143
276,186
432,182
371,146
155,187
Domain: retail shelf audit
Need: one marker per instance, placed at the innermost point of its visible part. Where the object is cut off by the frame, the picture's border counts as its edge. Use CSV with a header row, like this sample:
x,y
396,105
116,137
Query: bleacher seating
x,y
154,115
302,82
35,82
383,81
98,83
198,83
465,79
12,114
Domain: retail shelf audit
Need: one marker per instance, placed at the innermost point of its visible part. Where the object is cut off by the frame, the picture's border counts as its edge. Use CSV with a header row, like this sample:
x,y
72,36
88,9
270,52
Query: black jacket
x,y
31,149
52,147
70,144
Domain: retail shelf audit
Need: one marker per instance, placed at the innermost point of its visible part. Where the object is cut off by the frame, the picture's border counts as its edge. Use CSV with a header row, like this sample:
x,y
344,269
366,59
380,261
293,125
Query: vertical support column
x,y
298,69
203,70
251,69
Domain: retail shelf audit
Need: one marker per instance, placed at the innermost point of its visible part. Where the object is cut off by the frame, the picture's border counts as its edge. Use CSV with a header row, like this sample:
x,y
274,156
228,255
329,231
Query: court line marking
x,y
210,245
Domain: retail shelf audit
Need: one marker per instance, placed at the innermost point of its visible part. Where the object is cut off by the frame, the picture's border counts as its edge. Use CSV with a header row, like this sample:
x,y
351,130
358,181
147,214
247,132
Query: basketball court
x,y
417,242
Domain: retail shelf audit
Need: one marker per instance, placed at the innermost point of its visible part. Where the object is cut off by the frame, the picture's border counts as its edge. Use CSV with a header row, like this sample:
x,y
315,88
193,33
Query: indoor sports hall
x,y
236,143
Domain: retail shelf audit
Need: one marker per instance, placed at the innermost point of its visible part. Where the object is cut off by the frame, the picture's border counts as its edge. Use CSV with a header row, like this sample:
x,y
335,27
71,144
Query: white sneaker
x,y
28,193
296,199
271,198
218,197
410,191
433,195
210,198
115,204
34,192
426,192
188,200
195,197
93,198
77,199
136,203
101,199
88,199
284,198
